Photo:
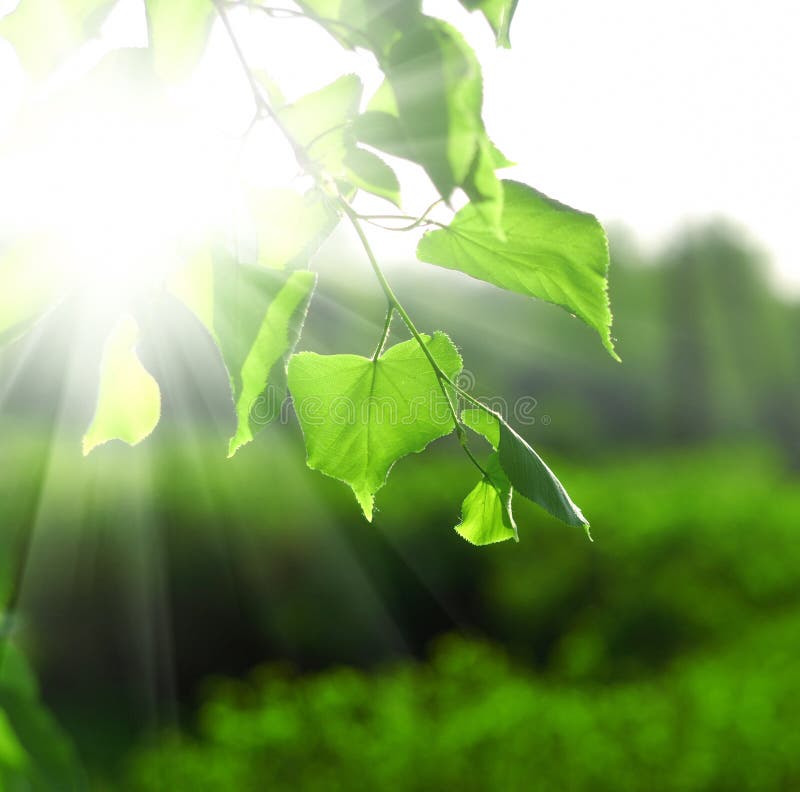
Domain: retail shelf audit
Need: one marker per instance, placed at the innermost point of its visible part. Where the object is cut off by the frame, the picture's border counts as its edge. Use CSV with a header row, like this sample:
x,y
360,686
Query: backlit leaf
x,y
255,316
550,251
531,477
359,416
483,423
433,96
129,399
428,110
526,470
486,515
321,124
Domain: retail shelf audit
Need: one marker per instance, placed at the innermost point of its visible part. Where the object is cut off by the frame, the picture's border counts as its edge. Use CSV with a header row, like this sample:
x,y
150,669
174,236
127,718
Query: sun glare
x,y
122,195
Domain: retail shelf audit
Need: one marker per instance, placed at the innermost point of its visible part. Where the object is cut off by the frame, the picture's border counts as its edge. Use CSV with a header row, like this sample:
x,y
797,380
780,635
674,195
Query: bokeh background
x,y
209,624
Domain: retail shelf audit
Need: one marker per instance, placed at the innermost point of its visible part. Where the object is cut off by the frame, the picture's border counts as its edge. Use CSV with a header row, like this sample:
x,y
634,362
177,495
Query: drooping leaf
x,y
526,470
531,477
428,110
46,32
359,416
290,227
498,13
432,97
29,285
178,31
255,317
129,399
486,515
550,251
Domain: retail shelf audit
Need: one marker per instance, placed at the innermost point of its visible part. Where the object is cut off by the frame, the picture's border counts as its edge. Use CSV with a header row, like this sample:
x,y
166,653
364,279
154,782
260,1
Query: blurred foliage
x,y
34,753
471,720
657,657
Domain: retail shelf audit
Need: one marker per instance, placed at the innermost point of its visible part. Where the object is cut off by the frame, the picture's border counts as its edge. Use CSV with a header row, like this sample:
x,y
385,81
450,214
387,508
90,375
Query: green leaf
x,y
498,13
255,317
550,251
178,31
484,423
483,188
290,227
531,477
486,515
429,108
525,469
320,122
29,285
44,33
129,399
359,416
371,24
369,172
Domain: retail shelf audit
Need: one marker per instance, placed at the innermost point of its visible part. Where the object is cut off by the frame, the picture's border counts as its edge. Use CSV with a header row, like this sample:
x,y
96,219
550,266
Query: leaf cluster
x,y
359,415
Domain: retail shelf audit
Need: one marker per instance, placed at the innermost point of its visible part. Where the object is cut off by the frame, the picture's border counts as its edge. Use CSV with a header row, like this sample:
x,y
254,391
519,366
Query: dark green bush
x,y
470,720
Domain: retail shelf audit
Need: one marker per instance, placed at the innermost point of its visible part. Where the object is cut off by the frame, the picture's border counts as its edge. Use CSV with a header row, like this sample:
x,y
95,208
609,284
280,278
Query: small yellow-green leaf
x,y
129,399
486,515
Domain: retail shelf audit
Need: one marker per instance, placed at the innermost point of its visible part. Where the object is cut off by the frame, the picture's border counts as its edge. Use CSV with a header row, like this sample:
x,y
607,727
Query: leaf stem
x,y
385,334
417,221
261,103
395,305
290,13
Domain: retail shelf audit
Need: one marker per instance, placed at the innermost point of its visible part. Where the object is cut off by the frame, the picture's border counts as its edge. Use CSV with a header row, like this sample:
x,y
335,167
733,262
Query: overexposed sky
x,y
645,114
651,113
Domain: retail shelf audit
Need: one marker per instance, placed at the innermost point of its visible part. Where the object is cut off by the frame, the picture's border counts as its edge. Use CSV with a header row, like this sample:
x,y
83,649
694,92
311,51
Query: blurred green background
x,y
199,623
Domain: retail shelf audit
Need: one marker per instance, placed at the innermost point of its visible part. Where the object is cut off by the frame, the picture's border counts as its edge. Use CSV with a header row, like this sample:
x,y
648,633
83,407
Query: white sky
x,y
645,114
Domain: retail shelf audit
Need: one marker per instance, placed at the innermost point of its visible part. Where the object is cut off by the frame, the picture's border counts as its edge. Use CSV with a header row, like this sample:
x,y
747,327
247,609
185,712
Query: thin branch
x,y
394,304
441,376
385,335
